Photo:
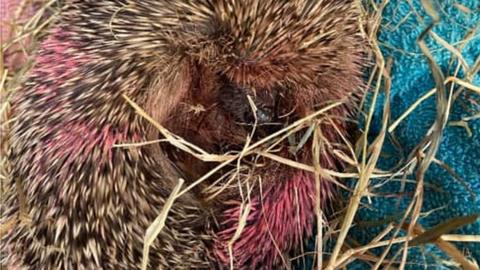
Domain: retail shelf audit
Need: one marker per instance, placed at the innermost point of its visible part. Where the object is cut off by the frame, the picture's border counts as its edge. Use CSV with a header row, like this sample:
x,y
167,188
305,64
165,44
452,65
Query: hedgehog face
x,y
247,106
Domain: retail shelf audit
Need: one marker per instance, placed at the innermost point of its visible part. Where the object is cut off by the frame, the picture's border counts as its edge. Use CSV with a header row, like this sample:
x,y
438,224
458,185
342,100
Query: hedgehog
x,y
80,201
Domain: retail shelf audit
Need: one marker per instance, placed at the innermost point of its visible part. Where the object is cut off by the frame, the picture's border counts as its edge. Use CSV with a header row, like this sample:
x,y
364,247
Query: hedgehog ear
x,y
168,90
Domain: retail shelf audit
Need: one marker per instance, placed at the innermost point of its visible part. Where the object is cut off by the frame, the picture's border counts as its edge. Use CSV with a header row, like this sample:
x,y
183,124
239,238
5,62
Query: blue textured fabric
x,y
445,197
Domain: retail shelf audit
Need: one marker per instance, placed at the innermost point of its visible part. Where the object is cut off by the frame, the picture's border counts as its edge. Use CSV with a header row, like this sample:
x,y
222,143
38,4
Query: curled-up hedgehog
x,y
217,73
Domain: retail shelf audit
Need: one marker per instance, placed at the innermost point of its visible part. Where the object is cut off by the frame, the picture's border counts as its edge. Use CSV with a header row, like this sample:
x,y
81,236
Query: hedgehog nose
x,y
265,121
264,116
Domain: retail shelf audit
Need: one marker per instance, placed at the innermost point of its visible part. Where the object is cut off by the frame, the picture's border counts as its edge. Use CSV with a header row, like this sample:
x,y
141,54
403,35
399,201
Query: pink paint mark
x,y
76,142
60,57
277,224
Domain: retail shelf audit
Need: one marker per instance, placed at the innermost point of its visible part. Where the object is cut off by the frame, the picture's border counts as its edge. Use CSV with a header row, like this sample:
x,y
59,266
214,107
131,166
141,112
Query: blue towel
x,y
445,197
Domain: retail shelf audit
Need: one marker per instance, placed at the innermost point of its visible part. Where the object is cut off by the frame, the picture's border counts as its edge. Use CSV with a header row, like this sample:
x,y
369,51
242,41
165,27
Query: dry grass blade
x,y
452,49
242,222
430,93
157,225
442,228
317,146
324,172
461,238
365,248
175,140
449,248
457,178
462,8
356,252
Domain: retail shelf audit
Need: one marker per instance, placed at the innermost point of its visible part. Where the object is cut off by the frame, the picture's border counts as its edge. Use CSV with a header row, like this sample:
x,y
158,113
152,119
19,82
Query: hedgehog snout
x,y
265,115
248,107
